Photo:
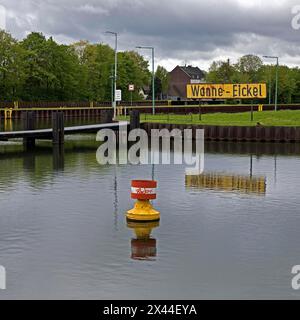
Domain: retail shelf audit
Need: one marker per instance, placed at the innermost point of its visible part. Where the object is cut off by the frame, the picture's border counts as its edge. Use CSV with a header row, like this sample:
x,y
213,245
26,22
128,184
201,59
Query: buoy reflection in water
x,y
144,247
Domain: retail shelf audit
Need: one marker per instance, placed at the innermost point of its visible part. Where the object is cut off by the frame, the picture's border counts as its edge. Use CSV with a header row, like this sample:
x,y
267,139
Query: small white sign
x,y
131,87
196,81
118,95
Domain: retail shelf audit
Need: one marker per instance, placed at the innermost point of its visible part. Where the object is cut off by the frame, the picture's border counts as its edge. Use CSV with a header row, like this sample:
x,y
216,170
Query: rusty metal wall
x,y
234,133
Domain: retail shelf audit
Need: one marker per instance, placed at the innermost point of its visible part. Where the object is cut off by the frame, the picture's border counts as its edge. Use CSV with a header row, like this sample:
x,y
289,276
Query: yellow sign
x,y
227,91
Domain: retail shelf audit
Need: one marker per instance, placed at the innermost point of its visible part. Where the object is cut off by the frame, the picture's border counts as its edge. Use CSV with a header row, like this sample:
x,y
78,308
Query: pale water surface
x,y
63,232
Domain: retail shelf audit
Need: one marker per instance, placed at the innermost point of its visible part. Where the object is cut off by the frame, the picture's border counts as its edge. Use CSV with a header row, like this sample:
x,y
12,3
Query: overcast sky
x,y
182,31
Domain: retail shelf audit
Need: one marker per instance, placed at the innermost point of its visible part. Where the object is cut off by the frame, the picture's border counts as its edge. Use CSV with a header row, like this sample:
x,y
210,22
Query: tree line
x,y
251,69
37,68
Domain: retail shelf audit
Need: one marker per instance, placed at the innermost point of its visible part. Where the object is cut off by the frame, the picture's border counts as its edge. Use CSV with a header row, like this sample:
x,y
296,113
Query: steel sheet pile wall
x,y
234,133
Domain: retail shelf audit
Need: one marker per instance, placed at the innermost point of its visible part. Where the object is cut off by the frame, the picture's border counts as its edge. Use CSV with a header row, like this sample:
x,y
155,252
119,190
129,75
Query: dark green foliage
x,y
37,68
250,69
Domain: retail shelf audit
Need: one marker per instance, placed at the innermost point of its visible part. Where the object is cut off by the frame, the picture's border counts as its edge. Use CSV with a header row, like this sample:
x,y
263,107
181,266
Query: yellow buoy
x,y
143,191
142,230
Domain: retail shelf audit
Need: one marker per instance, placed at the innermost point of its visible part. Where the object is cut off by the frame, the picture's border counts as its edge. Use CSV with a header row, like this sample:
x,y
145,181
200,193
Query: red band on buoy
x,y
143,190
144,184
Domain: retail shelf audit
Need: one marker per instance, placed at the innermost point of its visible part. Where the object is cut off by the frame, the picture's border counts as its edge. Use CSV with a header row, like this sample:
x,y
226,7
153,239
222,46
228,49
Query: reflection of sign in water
x,y
229,183
227,91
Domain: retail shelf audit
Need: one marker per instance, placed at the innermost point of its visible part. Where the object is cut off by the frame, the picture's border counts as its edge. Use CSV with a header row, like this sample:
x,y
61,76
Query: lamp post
x,y
270,86
153,76
276,86
112,84
114,103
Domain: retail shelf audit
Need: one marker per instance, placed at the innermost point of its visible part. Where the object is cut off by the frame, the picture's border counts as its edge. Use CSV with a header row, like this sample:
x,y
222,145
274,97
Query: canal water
x,y
232,232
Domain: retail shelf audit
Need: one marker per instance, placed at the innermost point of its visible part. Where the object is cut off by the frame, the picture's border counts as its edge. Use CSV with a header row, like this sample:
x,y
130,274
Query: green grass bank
x,y
283,118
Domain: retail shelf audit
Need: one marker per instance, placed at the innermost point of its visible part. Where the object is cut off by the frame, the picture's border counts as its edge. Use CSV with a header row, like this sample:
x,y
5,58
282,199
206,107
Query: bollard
x,y
58,133
106,115
29,120
134,119
143,191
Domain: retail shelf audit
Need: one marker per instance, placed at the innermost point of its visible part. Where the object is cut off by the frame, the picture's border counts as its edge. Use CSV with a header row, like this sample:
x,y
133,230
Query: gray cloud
x,y
181,30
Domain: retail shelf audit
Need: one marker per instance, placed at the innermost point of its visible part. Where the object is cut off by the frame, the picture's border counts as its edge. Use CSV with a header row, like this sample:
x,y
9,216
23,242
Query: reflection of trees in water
x,y
37,166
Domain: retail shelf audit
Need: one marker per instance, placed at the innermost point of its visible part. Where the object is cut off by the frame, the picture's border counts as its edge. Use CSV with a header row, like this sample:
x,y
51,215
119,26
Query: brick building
x,y
179,77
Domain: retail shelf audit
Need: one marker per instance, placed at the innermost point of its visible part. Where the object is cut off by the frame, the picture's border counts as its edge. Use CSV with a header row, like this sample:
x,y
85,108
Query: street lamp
x,y
276,87
114,103
153,76
112,84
